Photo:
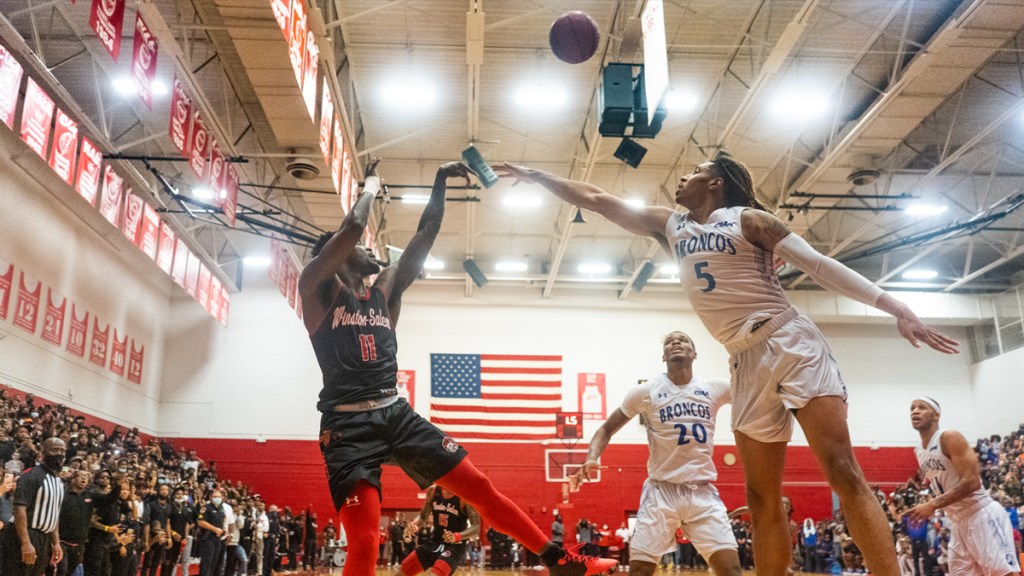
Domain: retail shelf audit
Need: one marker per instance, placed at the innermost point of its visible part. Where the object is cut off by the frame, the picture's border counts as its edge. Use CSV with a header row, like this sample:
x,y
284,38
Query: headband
x,y
930,402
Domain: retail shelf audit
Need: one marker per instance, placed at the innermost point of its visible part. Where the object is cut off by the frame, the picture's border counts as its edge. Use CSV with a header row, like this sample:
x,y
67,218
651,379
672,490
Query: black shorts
x,y
454,555
355,445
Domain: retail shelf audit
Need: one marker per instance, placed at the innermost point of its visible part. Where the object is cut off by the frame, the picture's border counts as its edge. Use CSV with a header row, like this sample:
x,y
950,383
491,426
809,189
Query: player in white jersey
x,y
981,538
678,410
781,366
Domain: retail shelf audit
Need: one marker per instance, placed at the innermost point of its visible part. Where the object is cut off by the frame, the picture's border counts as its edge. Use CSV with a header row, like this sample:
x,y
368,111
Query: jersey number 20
x,y
698,431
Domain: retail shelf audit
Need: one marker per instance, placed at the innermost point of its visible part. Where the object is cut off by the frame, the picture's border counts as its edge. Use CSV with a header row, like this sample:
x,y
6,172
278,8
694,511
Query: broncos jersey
x,y
941,476
731,284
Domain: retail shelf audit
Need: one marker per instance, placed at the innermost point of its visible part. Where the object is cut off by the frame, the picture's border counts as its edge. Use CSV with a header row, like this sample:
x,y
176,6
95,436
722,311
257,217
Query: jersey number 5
x,y
698,269
368,347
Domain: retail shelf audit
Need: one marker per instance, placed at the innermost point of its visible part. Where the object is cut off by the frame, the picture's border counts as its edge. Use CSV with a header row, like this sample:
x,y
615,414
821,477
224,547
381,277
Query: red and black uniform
x,y
364,423
440,557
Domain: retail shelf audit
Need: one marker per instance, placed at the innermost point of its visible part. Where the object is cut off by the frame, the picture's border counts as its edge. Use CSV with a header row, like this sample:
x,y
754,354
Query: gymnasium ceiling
x,y
927,96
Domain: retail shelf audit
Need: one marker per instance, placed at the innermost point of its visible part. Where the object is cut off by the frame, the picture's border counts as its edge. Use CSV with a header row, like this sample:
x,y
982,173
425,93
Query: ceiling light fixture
x,y
124,85
409,95
158,88
680,100
415,199
594,268
669,269
920,274
256,261
925,209
202,192
540,97
799,105
511,266
432,264
522,201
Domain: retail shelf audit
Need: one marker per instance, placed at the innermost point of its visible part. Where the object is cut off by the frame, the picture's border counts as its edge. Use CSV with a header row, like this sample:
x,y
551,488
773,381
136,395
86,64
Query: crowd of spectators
x,y
136,506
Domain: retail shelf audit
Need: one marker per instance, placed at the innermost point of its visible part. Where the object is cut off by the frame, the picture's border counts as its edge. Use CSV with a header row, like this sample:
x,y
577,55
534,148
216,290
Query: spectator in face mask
x,y
210,523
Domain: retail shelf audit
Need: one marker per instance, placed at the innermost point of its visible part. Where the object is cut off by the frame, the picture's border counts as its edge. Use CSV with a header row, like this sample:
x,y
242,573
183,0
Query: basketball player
x,y
781,366
364,422
981,538
455,522
678,410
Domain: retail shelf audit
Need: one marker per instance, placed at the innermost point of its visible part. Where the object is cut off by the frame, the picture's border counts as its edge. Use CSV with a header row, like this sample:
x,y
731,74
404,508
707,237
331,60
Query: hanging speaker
x,y
630,152
475,273
646,271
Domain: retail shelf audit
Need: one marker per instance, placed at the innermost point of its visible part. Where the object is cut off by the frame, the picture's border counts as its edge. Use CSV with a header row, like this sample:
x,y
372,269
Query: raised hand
x,y
520,173
917,332
456,169
371,167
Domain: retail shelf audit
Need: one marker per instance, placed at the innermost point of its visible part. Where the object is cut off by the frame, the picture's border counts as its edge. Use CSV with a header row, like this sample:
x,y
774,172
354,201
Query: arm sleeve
x,y
372,185
636,399
828,273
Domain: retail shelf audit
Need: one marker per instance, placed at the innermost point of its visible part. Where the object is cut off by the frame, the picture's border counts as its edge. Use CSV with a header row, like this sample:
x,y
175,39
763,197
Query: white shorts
x,y
982,543
781,373
665,506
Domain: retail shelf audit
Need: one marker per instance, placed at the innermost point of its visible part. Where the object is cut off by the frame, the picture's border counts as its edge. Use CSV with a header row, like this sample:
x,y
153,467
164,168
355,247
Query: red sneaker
x,y
575,564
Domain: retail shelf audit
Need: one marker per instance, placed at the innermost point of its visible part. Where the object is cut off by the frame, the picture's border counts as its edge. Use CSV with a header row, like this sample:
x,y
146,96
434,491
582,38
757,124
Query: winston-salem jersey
x,y
448,515
356,349
680,423
938,469
731,284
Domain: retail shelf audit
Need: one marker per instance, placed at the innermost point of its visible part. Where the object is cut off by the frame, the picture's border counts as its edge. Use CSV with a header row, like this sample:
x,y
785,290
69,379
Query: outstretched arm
x,y
649,221
598,443
955,447
769,233
318,282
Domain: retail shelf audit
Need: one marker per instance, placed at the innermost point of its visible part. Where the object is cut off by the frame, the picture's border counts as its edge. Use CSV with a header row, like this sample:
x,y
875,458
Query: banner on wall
x,y
76,333
274,270
591,395
110,201
98,346
53,320
199,149
65,145
10,83
229,200
144,53
26,310
282,9
346,183
118,354
203,290
225,304
36,117
180,266
297,38
293,282
406,383
339,157
132,216
326,123
216,172
213,304
6,285
135,358
192,274
310,62
165,253
106,19
149,231
181,113
88,180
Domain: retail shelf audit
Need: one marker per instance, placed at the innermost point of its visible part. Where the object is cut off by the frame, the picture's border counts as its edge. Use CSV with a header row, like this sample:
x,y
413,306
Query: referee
x,y
37,502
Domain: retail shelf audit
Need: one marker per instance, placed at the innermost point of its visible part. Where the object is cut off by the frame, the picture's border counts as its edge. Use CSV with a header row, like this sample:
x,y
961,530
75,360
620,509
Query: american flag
x,y
495,396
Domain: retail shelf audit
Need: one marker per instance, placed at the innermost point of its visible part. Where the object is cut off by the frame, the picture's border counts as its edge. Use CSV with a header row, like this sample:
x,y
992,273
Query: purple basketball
x,y
574,37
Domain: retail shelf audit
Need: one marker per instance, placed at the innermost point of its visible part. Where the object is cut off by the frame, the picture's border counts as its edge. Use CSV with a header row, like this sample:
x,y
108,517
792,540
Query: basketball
x,y
574,37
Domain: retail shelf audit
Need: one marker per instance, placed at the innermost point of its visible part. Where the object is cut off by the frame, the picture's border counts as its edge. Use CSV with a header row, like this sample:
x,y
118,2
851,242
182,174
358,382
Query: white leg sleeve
x,y
828,273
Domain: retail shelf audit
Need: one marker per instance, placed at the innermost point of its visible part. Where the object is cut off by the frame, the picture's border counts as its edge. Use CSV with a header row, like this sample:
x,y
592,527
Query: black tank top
x,y
356,349
448,515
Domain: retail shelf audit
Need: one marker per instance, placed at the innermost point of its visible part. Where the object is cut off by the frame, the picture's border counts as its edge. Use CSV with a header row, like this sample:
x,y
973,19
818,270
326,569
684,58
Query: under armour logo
x,y
352,501
662,395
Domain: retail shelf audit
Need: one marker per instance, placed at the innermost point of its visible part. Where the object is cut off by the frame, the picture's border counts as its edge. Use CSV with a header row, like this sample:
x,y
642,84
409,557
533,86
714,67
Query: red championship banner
x,y
118,354
149,232
203,290
282,9
406,383
10,84
216,172
36,117
88,180
133,206
192,274
200,147
110,201
98,346
76,333
165,251
346,183
298,304
274,270
107,19
297,38
326,123
135,358
6,285
282,277
293,283
53,320
181,113
310,63
65,144
229,203
339,156
144,51
353,191
225,304
591,395
213,304
180,266
26,311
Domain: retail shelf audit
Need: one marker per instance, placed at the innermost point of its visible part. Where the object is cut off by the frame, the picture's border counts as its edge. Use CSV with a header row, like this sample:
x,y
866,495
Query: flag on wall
x,y
495,396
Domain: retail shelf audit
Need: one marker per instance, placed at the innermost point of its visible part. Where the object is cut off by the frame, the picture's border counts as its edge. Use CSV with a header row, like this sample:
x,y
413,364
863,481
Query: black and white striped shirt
x,y
42,494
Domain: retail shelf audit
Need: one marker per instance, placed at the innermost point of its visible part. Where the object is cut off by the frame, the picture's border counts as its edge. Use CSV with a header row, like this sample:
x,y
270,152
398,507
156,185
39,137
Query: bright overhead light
x,y
409,94
522,201
799,105
925,209
635,202
158,87
202,192
669,269
594,268
415,199
680,100
920,274
540,97
511,266
256,261
432,264
124,85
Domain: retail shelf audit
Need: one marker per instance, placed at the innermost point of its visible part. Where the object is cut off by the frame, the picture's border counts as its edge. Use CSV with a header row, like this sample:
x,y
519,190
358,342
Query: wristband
x,y
458,536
